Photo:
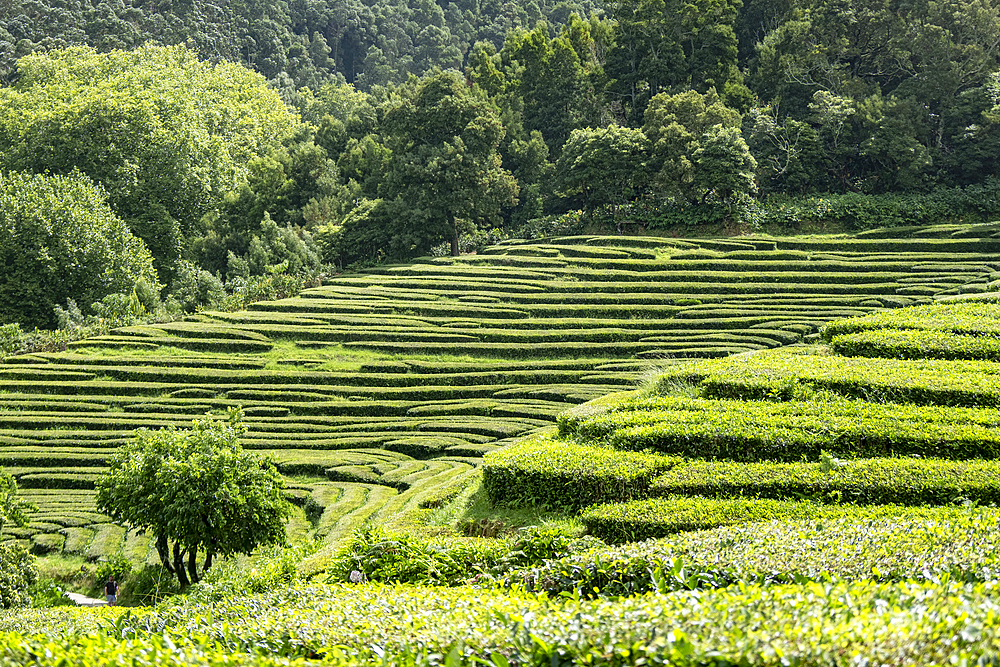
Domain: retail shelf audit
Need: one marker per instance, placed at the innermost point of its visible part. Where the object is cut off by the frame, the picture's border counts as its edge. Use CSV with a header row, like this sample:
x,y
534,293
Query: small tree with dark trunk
x,y
197,492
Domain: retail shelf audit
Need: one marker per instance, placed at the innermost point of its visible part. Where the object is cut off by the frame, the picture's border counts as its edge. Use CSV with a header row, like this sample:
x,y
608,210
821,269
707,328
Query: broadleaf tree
x,y
197,492
166,134
443,138
59,240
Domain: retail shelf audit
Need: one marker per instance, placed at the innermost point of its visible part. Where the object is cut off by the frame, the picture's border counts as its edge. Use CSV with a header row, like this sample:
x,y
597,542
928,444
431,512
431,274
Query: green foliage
x,y
638,520
910,344
404,558
49,593
117,566
558,474
784,429
445,165
146,586
779,374
165,134
17,575
748,624
604,166
969,317
197,489
60,240
903,481
848,543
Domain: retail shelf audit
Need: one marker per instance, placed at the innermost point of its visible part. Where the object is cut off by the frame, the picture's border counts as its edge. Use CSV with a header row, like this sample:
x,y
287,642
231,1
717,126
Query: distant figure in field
x,y
111,591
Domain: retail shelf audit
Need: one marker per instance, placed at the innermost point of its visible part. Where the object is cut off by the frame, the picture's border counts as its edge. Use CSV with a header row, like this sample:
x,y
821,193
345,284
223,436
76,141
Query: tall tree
x,y
445,166
605,166
166,135
671,46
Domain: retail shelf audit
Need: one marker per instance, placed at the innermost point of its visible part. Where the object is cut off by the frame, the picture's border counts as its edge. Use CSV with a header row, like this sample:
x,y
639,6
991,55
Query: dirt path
x,y
84,601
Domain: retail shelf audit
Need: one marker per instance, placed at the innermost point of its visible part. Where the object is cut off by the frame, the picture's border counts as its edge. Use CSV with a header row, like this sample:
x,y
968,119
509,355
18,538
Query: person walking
x,y
111,591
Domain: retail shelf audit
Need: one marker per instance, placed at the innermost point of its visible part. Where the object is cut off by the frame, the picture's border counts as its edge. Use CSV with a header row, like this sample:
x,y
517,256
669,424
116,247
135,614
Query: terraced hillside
x,y
379,392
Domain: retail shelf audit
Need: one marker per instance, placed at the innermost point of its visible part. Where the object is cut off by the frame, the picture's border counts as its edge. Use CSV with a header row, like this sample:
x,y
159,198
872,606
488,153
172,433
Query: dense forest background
x,y
157,156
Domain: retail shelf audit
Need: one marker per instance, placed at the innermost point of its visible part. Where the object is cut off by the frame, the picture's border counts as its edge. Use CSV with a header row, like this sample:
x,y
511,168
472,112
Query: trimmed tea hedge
x,y
546,472
917,344
877,543
789,431
869,481
780,374
657,517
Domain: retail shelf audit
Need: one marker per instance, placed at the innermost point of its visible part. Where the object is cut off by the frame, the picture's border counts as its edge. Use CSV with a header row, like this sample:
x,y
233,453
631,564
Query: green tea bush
x,y
852,543
657,517
963,317
378,555
778,373
17,575
917,344
558,474
790,430
868,481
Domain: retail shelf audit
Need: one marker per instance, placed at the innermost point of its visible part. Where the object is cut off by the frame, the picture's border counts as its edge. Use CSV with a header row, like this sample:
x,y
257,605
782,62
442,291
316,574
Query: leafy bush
x,y
657,517
59,239
914,344
117,566
779,374
48,593
551,473
850,543
147,586
971,317
378,555
790,430
869,481
17,574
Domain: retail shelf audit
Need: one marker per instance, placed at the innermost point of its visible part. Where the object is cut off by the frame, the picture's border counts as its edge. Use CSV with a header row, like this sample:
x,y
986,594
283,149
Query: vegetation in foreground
x,y
895,557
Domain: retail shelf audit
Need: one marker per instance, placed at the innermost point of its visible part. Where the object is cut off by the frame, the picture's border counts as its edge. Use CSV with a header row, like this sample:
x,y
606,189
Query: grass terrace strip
x,y
547,472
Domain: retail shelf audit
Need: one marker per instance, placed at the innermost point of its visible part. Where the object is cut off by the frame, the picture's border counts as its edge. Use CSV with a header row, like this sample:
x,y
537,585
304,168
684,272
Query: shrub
x,y
17,574
868,481
551,473
657,517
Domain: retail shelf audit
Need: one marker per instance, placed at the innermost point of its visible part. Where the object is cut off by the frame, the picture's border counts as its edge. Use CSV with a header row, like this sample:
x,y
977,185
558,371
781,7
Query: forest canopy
x,y
269,143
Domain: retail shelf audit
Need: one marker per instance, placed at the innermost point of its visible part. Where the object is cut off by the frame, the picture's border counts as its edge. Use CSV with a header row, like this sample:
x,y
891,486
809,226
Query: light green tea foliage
x,y
886,543
782,375
542,471
917,344
895,623
751,430
963,317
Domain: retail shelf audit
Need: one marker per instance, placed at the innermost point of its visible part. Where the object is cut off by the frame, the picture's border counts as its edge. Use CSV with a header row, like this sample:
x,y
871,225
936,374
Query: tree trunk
x,y
454,234
179,568
193,566
164,552
208,560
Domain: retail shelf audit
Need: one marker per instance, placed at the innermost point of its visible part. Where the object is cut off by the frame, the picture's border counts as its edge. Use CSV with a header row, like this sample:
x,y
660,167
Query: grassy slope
x,y
379,392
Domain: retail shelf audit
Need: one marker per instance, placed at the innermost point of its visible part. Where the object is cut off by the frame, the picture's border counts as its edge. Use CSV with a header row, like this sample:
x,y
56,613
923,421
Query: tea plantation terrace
x,y
378,393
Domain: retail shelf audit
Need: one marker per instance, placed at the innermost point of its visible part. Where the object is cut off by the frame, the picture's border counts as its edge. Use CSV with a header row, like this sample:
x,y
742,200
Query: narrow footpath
x,y
84,601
